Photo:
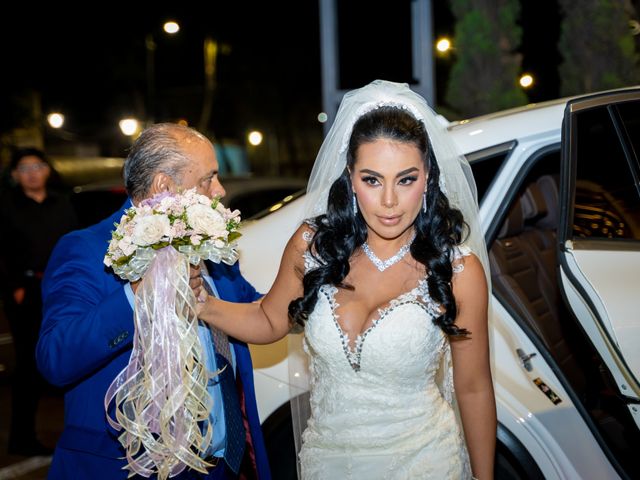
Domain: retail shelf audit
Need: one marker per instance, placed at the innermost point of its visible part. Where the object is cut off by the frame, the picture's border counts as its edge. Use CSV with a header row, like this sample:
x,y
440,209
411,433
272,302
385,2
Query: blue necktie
x,y
235,432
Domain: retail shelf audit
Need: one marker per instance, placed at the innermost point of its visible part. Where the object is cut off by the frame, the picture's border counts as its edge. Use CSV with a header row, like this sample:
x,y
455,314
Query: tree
x,y
484,76
597,46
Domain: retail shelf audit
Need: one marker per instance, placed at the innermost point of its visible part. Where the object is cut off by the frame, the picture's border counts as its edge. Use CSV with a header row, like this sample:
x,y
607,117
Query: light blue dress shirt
x,y
216,418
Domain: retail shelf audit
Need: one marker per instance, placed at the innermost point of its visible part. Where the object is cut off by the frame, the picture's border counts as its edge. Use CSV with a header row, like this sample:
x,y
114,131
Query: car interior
x,y
525,279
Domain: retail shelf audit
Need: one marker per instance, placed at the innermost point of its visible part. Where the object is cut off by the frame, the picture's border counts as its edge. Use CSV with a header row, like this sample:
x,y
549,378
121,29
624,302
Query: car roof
x,y
488,130
516,123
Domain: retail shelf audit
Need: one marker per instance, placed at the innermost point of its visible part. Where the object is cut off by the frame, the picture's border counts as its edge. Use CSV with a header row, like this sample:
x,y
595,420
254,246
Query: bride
x,y
388,276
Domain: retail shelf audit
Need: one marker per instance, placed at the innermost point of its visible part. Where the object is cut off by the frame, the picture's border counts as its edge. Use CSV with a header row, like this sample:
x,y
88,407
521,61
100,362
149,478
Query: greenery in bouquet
x,y
194,224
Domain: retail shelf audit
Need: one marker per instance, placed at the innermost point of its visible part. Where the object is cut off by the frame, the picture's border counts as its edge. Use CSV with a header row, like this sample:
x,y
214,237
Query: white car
x,y
559,190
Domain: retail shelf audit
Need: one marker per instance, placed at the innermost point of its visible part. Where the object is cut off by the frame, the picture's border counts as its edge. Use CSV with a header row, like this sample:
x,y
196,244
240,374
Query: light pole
x,y
150,46
210,50
171,27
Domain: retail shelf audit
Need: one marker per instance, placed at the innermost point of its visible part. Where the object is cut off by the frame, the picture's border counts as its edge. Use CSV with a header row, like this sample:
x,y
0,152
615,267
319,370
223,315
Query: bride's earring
x,y
355,205
424,201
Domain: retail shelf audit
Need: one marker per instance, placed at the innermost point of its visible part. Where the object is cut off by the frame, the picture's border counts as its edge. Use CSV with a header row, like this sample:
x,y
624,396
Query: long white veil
x,y
456,181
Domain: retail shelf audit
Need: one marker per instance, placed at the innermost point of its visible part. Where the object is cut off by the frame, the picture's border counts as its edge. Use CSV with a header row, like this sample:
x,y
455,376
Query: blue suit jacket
x,y
86,340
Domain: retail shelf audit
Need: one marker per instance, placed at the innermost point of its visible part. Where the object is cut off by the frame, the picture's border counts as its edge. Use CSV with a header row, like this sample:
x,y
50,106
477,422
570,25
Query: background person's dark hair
x,y
20,153
157,150
54,182
340,232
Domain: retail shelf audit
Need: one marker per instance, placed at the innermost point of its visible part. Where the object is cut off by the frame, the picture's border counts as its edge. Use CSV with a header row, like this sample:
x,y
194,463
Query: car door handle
x,y
525,358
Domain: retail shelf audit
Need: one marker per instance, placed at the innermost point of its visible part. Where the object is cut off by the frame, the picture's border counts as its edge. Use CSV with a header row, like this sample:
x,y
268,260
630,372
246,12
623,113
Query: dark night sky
x,y
93,68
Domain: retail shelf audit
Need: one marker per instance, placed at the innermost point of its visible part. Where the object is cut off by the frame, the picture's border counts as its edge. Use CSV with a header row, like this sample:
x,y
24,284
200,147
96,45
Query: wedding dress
x,y
382,408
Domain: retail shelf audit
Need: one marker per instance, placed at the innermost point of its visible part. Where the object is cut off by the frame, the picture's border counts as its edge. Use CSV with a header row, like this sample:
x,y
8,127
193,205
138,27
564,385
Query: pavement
x,y
49,419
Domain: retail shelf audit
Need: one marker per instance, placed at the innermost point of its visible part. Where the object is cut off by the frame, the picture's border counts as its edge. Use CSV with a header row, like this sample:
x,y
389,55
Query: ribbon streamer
x,y
161,395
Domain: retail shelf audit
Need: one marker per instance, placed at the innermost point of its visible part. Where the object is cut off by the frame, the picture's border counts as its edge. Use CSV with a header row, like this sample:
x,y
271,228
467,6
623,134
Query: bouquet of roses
x,y
161,395
193,224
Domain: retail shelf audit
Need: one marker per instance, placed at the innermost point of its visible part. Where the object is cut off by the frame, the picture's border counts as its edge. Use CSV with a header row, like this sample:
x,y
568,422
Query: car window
x,y
606,200
630,115
486,164
484,171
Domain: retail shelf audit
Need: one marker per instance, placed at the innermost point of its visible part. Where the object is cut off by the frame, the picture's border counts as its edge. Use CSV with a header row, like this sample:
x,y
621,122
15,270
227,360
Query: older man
x,y
87,330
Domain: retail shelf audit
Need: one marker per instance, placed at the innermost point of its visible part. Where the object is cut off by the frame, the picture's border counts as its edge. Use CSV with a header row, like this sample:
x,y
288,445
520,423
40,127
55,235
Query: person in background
x,y
88,328
33,219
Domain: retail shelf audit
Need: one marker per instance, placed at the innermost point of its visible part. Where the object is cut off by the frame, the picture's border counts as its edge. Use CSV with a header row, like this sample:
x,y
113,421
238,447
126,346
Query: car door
x,y
599,234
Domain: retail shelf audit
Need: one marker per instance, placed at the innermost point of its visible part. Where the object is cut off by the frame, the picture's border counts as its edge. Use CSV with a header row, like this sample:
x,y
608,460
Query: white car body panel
x,y
555,435
271,372
495,129
613,276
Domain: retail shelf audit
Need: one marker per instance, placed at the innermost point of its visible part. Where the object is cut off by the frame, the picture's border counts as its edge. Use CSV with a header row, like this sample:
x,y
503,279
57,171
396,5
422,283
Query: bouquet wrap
x,y
162,394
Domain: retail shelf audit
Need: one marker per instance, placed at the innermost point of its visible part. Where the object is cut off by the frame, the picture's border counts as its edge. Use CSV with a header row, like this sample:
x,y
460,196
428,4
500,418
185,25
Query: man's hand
x,y
196,282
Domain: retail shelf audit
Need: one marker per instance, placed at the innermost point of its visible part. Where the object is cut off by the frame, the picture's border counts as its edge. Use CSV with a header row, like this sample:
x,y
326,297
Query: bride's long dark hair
x,y
339,232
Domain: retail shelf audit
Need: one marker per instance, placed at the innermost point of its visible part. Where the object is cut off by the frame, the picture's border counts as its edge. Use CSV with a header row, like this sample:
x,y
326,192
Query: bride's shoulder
x,y
302,237
458,255
305,232
467,268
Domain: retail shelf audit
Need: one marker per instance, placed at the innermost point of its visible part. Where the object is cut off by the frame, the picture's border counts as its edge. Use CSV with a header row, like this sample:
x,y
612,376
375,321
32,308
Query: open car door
x,y
599,232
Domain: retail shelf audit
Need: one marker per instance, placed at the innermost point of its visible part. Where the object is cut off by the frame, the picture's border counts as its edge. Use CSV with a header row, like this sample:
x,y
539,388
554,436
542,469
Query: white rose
x,y
204,220
151,229
126,247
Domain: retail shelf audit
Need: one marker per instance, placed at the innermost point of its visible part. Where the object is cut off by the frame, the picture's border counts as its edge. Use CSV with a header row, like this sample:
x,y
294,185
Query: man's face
x,y
202,170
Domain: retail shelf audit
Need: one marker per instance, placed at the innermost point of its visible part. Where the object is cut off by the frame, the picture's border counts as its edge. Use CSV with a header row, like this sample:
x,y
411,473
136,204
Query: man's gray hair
x,y
158,149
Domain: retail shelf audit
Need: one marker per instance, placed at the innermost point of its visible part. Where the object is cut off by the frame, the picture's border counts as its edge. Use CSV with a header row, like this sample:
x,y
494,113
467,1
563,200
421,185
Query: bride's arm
x,y
268,320
471,368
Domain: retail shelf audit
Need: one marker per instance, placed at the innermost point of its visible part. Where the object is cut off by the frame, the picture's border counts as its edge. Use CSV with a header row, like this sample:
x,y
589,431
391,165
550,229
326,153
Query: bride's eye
x,y
370,180
407,180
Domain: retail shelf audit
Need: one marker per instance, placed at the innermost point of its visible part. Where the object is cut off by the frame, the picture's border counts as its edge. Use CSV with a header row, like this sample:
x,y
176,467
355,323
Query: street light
x,y
55,120
171,27
526,80
255,138
443,45
129,126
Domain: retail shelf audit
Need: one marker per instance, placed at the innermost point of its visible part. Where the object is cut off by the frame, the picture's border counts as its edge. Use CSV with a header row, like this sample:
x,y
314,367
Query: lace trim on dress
x,y
445,384
418,295
310,262
457,254
307,236
329,291
354,355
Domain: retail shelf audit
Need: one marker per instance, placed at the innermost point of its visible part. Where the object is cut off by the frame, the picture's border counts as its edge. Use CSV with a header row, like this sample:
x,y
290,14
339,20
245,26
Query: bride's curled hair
x,y
340,231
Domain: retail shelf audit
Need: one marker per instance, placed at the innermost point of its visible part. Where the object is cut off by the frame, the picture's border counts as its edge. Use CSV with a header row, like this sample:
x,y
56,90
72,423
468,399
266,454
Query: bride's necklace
x,y
382,265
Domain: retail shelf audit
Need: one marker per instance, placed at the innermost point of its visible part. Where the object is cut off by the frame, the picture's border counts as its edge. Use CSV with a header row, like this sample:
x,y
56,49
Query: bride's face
x,y
389,178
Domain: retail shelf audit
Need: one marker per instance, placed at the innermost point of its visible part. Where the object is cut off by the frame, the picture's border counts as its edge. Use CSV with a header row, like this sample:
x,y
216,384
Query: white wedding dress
x,y
382,410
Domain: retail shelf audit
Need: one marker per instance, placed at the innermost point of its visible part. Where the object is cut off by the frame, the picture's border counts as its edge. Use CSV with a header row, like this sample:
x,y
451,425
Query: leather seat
x,y
524,271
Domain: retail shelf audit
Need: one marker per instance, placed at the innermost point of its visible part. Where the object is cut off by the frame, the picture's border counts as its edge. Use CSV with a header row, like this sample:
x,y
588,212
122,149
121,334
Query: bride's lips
x,y
390,220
